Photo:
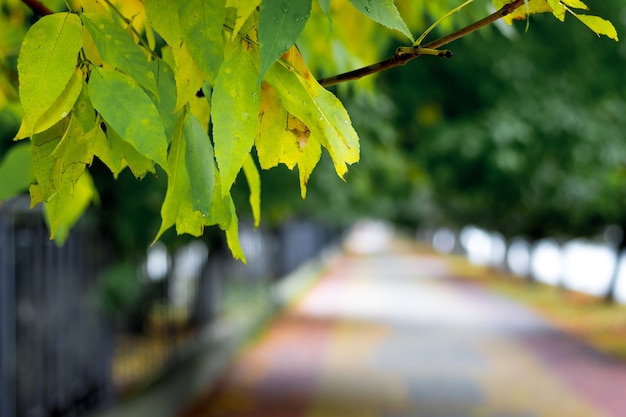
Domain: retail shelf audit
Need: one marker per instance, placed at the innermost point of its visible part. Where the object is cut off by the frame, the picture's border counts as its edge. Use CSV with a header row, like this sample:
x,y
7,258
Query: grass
x,y
600,324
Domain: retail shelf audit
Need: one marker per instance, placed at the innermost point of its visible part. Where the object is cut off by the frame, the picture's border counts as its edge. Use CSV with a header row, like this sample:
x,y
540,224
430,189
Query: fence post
x,y
7,320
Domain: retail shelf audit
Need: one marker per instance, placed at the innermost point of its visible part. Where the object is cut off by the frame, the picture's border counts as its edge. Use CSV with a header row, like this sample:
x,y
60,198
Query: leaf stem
x,y
402,56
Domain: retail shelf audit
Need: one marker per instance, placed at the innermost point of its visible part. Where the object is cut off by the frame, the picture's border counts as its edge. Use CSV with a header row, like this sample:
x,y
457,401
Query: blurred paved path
x,y
393,335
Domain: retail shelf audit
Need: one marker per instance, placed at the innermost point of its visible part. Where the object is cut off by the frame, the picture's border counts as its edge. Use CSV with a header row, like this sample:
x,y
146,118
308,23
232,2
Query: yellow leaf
x,y
310,158
576,4
299,130
189,76
274,142
598,25
318,109
558,9
522,12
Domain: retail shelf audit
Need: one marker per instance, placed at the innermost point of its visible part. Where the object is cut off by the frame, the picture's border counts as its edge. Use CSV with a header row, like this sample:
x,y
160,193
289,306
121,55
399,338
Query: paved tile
x,y
393,335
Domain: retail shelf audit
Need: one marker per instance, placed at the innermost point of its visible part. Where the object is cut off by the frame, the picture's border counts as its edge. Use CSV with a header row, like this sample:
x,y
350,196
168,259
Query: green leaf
x,y
232,236
16,171
139,164
83,109
59,157
74,149
46,62
177,207
254,182
163,15
165,102
200,163
224,215
385,13
130,112
59,109
325,6
117,49
280,24
112,157
235,109
64,209
202,23
244,10
598,25
220,206
42,146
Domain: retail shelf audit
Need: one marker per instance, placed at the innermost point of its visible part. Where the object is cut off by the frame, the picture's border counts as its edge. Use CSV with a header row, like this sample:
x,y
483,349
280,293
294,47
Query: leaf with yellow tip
x,y
232,236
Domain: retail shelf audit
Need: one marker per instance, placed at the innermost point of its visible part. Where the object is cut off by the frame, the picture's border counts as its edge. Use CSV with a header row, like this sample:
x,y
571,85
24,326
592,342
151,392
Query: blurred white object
x,y
546,262
477,243
369,236
518,257
444,240
588,266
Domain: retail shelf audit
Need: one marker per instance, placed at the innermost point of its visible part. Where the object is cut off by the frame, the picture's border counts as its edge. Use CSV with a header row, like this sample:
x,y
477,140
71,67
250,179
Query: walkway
x,y
394,335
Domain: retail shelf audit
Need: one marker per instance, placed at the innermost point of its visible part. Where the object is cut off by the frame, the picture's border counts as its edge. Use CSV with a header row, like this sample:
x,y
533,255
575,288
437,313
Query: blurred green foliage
x,y
521,133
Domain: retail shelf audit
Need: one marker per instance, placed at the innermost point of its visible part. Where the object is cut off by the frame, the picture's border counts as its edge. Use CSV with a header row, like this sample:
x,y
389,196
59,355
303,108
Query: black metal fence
x,y
77,329
55,350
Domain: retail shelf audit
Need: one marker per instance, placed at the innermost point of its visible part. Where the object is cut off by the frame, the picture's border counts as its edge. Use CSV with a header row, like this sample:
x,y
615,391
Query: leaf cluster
x,y
198,91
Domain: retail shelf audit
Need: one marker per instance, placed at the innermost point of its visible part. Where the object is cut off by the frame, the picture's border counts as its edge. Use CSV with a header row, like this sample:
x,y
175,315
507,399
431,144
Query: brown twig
x,y
38,7
402,57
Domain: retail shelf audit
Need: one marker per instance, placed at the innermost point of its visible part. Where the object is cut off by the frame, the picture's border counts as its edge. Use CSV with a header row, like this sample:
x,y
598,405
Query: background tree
x,y
535,146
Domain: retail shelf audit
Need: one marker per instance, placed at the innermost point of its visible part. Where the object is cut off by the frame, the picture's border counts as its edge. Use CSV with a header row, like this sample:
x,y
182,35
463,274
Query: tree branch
x,y
404,54
38,7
